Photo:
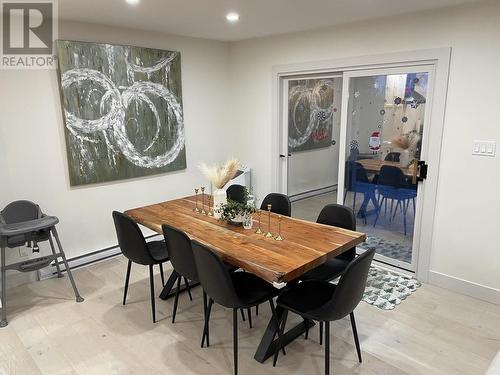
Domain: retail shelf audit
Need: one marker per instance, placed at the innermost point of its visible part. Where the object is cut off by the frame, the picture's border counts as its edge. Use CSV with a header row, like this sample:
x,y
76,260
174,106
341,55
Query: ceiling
x,y
206,18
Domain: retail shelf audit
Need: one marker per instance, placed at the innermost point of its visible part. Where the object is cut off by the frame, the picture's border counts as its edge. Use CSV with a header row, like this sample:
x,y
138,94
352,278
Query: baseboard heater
x,y
85,260
313,193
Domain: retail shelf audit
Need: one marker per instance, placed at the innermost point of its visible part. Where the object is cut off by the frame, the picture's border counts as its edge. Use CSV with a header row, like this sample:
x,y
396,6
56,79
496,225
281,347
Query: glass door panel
x,y
385,125
313,130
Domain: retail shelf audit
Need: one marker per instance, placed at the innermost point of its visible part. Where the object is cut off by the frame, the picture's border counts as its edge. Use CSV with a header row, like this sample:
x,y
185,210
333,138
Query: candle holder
x,y
278,237
196,209
210,206
269,234
259,230
203,200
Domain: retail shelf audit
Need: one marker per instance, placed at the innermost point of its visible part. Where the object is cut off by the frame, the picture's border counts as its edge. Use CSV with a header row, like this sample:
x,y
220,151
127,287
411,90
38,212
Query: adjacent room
x,y
249,187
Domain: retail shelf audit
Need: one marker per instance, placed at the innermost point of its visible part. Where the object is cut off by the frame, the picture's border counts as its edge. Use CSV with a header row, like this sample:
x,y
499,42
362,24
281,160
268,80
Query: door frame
x,y
440,59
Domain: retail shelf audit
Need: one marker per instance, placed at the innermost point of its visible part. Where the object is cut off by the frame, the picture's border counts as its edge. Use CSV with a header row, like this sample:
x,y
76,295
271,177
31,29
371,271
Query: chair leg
x,y
3,322
354,202
307,329
52,247
152,287
257,310
398,204
162,275
186,281
321,333
327,348
390,213
127,278
355,333
204,314
249,317
78,297
206,332
235,340
380,209
243,315
176,299
280,334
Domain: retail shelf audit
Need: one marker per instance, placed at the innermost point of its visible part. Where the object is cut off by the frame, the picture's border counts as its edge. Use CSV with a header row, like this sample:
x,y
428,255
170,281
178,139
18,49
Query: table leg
x,y
169,290
269,344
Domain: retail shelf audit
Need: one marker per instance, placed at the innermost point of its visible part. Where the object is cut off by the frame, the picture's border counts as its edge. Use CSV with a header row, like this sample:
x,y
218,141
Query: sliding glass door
x,y
382,136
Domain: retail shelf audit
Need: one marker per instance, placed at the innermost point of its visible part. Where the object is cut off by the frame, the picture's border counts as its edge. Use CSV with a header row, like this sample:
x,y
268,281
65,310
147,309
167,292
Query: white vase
x,y
220,198
405,158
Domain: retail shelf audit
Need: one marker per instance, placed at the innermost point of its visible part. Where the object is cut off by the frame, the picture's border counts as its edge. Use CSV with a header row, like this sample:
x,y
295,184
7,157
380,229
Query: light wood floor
x,y
433,332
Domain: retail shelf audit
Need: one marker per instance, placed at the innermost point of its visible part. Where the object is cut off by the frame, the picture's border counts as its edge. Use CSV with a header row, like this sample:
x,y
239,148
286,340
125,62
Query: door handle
x,y
284,156
422,166
419,171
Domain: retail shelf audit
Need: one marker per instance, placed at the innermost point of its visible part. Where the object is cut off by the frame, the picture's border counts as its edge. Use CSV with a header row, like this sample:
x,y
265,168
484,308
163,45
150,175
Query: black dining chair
x,y
135,248
326,302
235,290
338,216
280,204
182,260
392,156
236,193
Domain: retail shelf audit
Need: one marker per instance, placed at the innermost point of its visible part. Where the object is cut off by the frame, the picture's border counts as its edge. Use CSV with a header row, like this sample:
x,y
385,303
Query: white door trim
x,y
440,59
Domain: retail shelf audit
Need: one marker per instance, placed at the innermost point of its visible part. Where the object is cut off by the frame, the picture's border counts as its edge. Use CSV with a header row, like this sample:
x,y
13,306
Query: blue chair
x,y
357,181
392,185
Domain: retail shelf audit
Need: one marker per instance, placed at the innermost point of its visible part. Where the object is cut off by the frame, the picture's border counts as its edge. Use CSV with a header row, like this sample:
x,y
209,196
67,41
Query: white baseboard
x,y
468,288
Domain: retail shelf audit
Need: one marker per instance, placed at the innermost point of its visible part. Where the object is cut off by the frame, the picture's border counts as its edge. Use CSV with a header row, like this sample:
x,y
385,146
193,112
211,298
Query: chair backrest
x,y
392,156
280,204
390,176
349,290
214,276
180,252
354,173
19,211
131,240
236,193
340,216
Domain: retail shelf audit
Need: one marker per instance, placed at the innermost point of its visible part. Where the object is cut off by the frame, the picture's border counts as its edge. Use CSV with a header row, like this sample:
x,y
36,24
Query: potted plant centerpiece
x,y
237,213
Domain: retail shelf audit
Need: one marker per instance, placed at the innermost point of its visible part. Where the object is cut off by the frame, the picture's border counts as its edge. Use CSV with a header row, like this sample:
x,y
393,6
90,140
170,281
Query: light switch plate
x,y
484,148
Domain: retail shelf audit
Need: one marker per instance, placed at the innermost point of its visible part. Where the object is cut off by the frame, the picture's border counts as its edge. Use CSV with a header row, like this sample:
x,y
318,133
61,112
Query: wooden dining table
x,y
305,245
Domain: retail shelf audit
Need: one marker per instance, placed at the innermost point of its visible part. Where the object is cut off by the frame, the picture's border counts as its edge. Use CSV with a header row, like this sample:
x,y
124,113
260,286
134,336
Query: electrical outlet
x,y
24,252
484,148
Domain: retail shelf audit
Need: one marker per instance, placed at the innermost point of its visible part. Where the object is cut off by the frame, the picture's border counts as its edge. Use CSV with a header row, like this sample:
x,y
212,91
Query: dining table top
x,y
305,244
374,165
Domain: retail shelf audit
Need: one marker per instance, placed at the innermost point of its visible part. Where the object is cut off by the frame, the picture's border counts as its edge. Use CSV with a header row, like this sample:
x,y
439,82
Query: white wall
x,y
468,202
227,104
32,146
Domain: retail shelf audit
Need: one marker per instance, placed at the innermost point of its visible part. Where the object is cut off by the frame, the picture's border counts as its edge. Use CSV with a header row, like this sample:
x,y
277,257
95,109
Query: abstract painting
x,y
310,113
122,109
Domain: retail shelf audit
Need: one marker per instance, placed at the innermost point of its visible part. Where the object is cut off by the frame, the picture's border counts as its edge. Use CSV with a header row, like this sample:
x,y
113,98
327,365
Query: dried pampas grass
x,y
220,175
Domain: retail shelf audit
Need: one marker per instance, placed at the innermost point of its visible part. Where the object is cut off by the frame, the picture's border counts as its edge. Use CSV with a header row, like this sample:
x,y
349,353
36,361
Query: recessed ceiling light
x,y
232,17
132,2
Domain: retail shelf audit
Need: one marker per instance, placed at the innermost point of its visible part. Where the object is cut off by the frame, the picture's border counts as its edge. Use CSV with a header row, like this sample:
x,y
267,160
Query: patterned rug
x,y
386,289
388,248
